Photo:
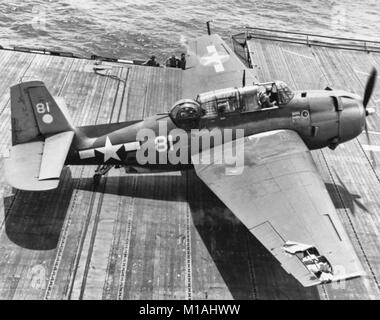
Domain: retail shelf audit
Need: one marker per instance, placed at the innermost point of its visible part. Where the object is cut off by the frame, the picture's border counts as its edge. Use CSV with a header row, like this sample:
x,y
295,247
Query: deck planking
x,y
168,236
349,174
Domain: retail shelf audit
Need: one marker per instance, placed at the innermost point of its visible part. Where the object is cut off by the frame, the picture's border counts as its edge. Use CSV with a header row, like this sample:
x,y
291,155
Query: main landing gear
x,y
100,171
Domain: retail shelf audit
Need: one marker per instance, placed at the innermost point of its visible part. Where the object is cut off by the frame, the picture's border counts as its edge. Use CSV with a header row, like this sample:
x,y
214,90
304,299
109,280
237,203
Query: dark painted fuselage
x,y
321,118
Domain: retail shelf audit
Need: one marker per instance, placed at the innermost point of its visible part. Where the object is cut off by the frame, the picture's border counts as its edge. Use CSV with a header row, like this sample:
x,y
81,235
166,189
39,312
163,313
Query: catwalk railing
x,y
239,41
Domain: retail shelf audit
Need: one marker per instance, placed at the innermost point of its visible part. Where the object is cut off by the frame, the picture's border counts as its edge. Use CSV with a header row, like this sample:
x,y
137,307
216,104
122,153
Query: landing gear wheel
x,y
97,177
101,171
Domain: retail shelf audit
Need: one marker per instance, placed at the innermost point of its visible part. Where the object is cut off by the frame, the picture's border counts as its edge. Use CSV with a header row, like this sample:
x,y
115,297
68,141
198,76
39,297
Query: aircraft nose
x,y
352,119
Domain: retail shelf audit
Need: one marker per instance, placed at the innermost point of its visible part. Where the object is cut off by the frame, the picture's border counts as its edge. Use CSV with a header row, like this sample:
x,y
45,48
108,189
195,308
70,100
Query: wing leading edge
x,y
282,200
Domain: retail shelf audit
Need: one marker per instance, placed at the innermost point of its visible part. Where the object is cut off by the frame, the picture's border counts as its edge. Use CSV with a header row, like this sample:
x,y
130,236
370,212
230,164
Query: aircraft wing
x,y
282,200
211,65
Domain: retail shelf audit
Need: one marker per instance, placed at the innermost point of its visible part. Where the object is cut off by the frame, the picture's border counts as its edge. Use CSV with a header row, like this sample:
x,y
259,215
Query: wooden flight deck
x,y
167,236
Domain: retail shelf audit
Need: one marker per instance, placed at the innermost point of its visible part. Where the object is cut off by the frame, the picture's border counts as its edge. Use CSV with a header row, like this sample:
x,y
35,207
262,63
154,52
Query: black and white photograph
x,y
199,152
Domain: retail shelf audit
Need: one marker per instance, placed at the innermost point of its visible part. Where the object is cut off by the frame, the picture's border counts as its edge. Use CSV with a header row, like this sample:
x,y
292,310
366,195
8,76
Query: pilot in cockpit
x,y
265,98
274,94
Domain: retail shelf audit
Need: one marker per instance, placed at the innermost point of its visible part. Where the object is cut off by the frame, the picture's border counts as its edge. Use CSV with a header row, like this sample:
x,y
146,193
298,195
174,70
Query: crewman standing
x,y
151,62
182,62
172,62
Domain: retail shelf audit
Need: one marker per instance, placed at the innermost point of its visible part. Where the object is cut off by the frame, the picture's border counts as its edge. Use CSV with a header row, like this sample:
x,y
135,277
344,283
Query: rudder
x,y
35,114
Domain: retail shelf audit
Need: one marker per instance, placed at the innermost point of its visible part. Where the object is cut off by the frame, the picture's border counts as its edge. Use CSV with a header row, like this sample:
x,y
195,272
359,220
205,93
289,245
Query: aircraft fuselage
x,y
322,118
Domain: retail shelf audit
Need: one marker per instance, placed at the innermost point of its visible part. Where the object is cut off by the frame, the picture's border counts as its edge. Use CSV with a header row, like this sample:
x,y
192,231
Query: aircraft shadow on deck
x,y
33,221
247,268
343,199
242,261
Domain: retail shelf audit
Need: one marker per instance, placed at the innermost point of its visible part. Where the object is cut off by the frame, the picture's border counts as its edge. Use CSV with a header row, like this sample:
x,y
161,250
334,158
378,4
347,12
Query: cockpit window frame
x,y
232,101
189,107
284,93
212,102
281,92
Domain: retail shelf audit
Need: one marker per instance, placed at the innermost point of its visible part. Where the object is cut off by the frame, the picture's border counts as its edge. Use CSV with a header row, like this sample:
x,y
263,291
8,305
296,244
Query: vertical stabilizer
x,y
35,113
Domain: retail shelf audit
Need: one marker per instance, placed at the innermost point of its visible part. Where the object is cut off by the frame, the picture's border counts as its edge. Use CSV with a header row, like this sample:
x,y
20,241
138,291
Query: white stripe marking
x,y
371,148
131,146
125,61
85,154
372,132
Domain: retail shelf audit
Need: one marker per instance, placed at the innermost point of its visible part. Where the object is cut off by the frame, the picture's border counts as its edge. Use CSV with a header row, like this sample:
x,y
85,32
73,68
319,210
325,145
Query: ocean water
x,y
139,28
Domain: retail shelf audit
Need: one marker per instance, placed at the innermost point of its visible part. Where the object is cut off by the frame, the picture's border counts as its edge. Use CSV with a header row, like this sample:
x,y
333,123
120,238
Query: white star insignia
x,y
214,58
109,150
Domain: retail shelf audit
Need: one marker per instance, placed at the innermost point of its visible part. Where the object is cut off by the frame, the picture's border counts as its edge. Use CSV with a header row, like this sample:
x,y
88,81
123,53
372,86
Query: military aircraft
x,y
279,195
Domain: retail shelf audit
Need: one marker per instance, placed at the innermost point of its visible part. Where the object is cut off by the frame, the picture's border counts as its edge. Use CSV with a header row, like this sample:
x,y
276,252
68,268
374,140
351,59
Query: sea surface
x,y
136,29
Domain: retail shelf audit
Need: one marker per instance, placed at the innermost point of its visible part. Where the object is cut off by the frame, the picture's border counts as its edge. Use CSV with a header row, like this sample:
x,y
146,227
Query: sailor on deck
x,y
151,62
172,62
182,62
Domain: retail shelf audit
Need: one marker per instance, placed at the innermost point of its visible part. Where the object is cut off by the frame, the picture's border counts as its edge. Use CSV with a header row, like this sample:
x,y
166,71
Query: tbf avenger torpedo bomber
x,y
276,191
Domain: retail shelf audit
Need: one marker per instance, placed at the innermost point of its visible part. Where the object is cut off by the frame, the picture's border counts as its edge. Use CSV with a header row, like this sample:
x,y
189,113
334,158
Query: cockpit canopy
x,y
285,94
278,90
186,110
187,113
228,100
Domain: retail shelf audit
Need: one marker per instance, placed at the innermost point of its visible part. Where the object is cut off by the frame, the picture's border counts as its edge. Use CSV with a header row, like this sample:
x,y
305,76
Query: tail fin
x,y
41,138
35,114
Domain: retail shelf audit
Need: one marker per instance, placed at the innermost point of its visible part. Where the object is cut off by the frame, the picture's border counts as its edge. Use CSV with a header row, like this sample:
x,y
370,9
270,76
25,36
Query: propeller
x,y
368,111
369,87
243,81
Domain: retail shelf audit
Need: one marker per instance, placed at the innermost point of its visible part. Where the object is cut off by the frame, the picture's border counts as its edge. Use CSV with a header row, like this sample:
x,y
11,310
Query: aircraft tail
x,y
42,134
35,114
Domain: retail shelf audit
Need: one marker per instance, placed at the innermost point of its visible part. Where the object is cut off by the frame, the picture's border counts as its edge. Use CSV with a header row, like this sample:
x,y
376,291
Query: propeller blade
x,y
243,78
369,87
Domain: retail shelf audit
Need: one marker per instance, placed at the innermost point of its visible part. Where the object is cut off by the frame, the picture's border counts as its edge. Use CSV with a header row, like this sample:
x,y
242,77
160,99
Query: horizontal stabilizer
x,y
53,158
37,166
22,168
